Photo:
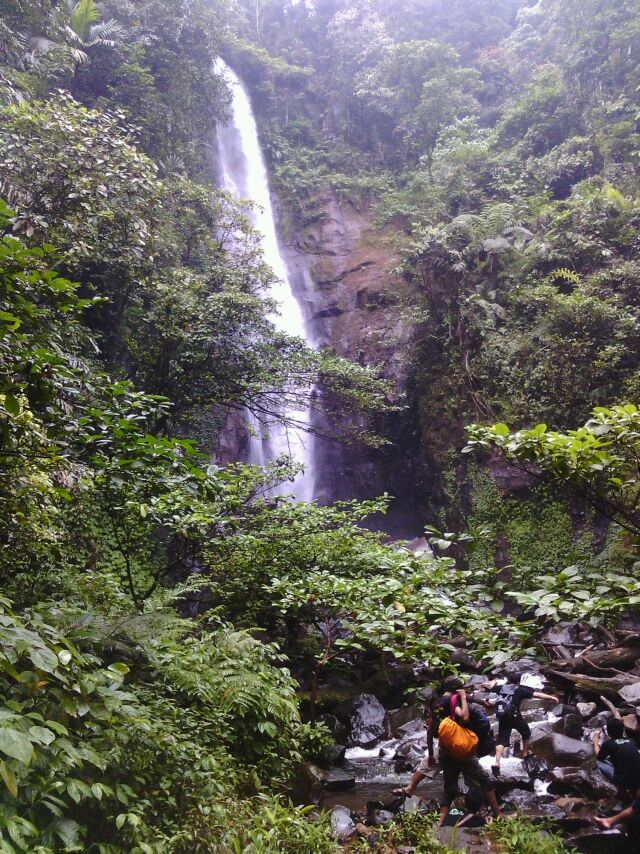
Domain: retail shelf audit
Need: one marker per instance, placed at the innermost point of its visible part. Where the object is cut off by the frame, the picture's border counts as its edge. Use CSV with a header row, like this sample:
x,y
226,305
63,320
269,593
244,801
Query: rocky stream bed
x,y
595,675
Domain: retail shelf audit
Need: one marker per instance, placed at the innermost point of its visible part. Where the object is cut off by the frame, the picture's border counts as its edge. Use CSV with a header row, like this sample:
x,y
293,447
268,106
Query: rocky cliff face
x,y
354,303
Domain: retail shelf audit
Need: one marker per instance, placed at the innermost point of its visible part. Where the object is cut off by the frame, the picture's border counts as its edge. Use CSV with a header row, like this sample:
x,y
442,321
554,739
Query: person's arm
x,y
428,719
540,696
603,750
463,710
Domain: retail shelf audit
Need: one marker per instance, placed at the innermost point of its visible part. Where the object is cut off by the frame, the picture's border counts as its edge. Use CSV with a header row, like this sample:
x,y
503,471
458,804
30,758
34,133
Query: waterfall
x,y
243,173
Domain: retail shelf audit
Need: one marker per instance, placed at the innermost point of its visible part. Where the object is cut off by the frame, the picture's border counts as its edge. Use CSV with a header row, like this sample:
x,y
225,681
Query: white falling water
x,y
244,175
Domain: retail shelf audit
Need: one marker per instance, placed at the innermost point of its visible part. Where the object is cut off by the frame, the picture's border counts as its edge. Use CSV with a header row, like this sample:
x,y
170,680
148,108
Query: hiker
x,y
470,816
507,709
618,757
630,815
457,753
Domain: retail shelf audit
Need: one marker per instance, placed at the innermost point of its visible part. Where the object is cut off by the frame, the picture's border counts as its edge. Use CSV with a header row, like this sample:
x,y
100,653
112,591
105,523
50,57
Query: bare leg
x,y
493,802
526,748
499,752
417,778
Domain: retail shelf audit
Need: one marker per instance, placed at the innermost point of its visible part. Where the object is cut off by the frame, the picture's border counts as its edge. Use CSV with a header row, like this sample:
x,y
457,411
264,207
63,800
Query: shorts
x,y
475,777
507,724
423,765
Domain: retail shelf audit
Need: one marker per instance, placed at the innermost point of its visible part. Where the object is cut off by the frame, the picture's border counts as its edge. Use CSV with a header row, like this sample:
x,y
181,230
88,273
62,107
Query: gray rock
x,y
631,693
333,754
541,730
411,804
400,717
599,720
342,825
338,780
520,666
560,635
562,750
570,725
586,710
369,721
563,709
587,783
600,842
381,817
411,727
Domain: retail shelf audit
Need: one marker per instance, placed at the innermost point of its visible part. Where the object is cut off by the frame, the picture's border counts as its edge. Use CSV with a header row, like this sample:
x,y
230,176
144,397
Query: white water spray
x,y
244,175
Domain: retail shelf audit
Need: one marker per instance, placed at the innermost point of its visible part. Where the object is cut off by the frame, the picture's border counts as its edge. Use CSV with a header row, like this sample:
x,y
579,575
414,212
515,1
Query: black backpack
x,y
504,707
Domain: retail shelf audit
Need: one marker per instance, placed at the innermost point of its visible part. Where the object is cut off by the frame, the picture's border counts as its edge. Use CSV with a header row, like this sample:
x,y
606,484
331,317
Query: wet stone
x,y
369,722
599,720
338,780
411,728
563,751
342,825
586,710
631,693
600,842
381,817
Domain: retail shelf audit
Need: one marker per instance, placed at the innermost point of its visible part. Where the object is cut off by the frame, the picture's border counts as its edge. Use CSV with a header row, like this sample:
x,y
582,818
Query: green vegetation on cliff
x,y
152,602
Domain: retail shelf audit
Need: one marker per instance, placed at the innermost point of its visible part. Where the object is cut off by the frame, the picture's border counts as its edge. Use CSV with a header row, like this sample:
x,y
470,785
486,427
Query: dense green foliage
x,y
155,601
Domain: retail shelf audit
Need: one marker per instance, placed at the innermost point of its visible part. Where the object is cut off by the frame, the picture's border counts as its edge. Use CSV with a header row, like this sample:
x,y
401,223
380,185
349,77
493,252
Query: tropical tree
x,y
79,28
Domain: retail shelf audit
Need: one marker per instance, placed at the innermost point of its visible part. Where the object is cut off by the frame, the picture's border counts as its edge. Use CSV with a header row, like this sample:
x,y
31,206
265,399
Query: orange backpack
x,y
458,741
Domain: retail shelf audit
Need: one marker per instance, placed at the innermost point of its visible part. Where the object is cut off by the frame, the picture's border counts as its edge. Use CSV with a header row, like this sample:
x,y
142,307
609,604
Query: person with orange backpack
x,y
457,753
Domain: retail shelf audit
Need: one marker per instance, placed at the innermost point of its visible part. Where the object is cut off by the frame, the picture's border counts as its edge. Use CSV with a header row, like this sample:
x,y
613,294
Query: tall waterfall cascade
x,y
243,174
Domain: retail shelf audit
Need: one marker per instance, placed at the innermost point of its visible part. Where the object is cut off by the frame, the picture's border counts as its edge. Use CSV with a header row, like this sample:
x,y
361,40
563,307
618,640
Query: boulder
x,y
411,804
561,750
599,720
541,730
569,725
521,666
631,693
563,709
589,783
600,842
337,780
381,817
586,710
342,825
411,728
333,754
631,723
464,659
369,721
569,805
399,717
562,634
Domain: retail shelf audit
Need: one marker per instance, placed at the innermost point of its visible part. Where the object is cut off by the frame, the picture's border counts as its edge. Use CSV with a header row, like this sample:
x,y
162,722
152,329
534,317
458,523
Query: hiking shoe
x,y
495,770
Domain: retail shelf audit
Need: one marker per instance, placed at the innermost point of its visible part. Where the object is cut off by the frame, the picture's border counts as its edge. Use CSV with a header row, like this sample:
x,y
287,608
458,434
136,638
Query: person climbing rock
x,y
618,757
457,753
507,710
469,813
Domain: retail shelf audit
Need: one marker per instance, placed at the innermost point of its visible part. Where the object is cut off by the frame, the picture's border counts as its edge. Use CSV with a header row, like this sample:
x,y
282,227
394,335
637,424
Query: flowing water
x,y
243,173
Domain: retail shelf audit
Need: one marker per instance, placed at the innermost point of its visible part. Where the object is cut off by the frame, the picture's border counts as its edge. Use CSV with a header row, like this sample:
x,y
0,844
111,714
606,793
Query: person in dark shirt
x,y
618,757
511,718
470,816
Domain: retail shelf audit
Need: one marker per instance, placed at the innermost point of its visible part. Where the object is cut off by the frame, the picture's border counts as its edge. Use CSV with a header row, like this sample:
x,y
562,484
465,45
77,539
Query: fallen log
x,y
595,684
602,659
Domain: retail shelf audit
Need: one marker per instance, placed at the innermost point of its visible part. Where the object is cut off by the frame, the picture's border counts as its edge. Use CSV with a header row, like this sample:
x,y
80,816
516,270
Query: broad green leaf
x,y
16,745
